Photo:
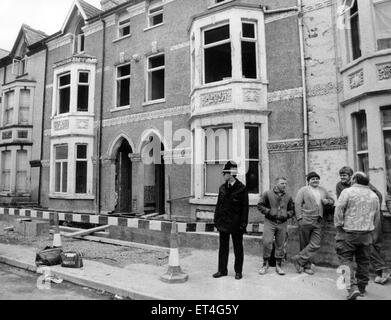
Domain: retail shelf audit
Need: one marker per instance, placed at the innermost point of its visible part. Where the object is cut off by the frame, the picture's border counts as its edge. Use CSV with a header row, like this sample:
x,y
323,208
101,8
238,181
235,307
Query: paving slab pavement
x,y
141,281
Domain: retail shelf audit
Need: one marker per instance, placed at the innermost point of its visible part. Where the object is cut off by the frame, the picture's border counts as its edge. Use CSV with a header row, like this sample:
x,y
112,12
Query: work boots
x,y
279,268
353,293
264,267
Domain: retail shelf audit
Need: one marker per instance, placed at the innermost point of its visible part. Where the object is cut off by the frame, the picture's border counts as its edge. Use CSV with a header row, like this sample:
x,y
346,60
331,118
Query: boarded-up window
x,y
218,150
21,171
24,106
81,168
217,54
5,170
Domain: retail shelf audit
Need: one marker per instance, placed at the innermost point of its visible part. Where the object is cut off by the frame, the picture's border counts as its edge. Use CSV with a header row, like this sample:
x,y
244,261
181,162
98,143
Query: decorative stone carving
x,y
356,79
285,94
61,125
336,143
45,163
251,95
145,116
384,71
82,124
135,157
217,97
6,135
47,133
324,89
76,59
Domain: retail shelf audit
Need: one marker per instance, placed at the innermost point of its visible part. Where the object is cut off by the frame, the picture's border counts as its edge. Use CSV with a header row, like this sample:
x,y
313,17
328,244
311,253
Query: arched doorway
x,y
123,178
154,175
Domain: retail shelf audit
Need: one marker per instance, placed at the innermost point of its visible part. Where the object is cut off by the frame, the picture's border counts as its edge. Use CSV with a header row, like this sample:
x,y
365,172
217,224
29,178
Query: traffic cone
x,y
174,273
56,236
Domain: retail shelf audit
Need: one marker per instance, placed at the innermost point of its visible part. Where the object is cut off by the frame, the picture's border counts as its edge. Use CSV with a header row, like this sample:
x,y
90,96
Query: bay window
x,y
252,158
9,105
81,168
5,170
24,106
21,171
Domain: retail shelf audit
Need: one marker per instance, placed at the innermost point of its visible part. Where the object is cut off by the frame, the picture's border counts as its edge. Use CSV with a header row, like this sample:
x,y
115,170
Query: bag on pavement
x,y
71,259
49,256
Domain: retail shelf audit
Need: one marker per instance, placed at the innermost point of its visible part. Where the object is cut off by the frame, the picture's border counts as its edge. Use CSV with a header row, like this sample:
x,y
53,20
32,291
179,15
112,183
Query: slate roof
x,y
32,35
3,53
89,9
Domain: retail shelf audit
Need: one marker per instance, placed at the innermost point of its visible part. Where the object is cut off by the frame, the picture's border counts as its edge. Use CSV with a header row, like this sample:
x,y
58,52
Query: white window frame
x,y
377,37
221,161
6,108
81,160
19,66
214,44
117,80
123,23
356,138
61,161
246,125
72,143
158,9
18,170
3,189
149,72
84,84
79,37
59,88
28,108
254,40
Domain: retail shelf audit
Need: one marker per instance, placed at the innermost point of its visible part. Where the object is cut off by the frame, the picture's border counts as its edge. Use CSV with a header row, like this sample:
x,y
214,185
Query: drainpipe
x,y
99,133
42,125
303,79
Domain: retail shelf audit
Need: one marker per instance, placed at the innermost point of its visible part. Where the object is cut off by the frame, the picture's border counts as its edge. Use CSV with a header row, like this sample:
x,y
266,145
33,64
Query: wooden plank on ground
x,y
86,232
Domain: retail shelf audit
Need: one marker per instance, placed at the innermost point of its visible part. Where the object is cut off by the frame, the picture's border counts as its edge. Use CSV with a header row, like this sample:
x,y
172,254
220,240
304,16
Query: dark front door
x,y
124,178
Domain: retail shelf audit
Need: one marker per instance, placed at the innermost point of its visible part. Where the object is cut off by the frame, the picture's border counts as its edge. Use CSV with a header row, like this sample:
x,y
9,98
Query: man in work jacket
x,y
231,218
277,206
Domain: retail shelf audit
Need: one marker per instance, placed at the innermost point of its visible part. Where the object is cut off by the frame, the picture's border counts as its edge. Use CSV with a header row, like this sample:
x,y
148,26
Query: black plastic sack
x,y
49,256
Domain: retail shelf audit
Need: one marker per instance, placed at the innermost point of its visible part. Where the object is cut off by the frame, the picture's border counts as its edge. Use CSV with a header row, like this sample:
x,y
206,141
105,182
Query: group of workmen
x,y
357,218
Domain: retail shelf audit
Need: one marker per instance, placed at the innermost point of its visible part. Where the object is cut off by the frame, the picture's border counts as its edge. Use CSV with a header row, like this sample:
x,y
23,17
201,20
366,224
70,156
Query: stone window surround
x,y
234,16
376,157
72,142
14,150
74,69
115,74
16,86
237,121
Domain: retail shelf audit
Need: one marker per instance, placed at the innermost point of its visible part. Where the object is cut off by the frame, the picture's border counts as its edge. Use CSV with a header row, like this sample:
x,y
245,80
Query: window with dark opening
x,y
249,51
124,28
360,124
81,168
61,168
156,77
82,91
217,54
355,31
252,158
81,39
155,16
123,85
64,90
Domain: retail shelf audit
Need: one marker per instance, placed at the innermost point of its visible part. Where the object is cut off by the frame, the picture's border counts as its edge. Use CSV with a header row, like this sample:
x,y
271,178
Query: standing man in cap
x,y
377,260
309,213
277,206
355,216
231,217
